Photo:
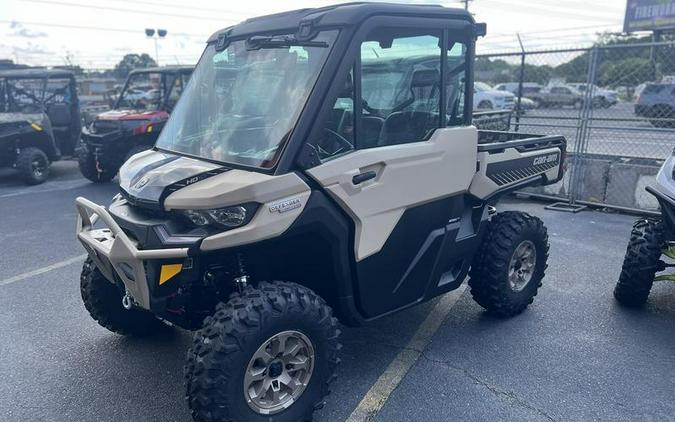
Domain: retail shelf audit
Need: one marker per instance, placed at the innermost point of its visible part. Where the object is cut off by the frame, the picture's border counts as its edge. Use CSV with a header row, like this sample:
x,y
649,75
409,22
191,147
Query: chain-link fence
x,y
615,104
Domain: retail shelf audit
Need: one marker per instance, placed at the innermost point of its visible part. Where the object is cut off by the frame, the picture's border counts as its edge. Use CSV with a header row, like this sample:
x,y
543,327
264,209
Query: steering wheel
x,y
335,148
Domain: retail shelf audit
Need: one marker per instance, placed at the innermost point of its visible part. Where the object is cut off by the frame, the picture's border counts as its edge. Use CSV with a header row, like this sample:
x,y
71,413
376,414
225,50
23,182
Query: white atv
x,y
652,244
318,160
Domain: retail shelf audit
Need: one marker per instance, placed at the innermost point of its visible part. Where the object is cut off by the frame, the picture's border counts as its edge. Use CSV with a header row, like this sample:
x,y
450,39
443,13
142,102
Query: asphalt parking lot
x,y
573,355
612,131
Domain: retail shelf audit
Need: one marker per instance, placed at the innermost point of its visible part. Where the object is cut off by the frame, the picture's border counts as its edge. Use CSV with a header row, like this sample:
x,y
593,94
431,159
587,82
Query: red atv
x,y
133,125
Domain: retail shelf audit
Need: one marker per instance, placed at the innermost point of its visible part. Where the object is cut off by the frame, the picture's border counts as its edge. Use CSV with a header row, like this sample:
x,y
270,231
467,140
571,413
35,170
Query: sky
x,y
97,33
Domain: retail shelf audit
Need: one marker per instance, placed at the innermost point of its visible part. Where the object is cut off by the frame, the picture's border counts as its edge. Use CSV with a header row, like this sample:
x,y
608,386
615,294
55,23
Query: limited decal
x,y
545,159
285,205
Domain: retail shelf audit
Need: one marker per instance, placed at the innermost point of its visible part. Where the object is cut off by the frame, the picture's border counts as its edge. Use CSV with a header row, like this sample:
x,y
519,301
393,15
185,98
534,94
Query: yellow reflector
x,y
168,271
36,127
149,129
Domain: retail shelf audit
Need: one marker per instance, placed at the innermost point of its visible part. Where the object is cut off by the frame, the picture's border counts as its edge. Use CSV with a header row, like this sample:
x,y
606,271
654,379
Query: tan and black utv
x,y
318,161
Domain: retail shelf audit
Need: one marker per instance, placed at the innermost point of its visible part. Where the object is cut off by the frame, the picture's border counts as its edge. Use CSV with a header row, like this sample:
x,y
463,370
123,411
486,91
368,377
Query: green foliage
x,y
133,61
623,66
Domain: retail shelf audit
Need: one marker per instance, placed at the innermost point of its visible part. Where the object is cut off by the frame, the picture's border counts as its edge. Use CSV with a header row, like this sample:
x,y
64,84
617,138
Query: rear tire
x,y
103,300
224,351
33,166
502,281
485,105
640,264
87,164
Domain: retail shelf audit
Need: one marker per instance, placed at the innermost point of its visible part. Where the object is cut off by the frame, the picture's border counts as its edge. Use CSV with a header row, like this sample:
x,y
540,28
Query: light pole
x,y
150,33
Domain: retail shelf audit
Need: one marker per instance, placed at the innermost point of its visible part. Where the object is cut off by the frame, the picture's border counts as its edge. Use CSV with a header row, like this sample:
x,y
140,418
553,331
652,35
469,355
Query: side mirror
x,y
480,30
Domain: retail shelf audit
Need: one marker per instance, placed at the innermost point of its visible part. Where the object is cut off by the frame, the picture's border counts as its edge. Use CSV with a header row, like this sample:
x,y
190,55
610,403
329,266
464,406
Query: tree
x,y
133,61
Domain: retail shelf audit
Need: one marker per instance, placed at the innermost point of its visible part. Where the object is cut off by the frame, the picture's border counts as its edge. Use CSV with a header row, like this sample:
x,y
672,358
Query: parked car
x,y
39,120
601,97
558,96
487,98
512,87
525,104
657,103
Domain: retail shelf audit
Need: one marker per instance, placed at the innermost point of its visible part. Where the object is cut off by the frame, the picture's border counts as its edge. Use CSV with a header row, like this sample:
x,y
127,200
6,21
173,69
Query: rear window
x,y
653,89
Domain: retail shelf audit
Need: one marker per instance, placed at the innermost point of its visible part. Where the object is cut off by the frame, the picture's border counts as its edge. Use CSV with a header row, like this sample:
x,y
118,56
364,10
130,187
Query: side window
x,y
400,87
456,83
336,135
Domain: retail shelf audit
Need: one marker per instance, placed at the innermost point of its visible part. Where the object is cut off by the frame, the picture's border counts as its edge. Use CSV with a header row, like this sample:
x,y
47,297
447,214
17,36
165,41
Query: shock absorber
x,y
241,281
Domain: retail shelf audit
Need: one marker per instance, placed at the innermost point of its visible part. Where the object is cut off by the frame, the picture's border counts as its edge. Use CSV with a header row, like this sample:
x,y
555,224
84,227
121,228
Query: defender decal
x,y
285,205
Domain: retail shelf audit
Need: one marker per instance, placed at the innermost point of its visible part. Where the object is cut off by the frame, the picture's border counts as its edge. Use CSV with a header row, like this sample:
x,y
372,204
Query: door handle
x,y
360,178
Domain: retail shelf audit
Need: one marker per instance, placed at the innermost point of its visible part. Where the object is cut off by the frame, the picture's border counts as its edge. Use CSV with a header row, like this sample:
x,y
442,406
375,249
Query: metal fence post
x,y
521,78
576,176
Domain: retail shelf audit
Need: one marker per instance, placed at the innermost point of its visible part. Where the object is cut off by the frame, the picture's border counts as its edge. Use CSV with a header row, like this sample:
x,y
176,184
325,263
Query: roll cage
x,y
354,22
168,77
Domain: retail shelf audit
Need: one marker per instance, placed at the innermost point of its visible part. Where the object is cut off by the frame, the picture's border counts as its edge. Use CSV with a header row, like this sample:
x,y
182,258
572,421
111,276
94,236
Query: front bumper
x,y
116,255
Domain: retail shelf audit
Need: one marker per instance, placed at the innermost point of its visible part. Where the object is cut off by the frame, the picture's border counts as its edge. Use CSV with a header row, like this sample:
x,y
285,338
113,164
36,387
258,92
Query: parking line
x,y
379,393
42,270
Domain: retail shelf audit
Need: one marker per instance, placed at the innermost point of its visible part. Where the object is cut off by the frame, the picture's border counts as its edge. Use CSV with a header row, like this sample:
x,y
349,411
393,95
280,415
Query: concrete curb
x,y
609,180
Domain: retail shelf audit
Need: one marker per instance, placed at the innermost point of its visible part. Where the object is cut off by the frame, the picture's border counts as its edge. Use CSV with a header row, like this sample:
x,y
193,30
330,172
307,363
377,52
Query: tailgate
x,y
508,161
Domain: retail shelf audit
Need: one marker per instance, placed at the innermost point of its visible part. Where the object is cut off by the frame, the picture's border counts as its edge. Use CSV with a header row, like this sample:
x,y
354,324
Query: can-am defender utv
x,y
39,120
651,248
318,160
133,125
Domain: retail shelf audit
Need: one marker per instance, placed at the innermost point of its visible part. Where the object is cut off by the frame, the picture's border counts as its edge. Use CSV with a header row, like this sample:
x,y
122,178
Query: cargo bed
x,y
511,160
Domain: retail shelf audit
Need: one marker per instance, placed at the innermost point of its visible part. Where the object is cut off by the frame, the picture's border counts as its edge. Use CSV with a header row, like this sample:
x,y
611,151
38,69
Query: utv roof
x,y
164,69
339,15
36,73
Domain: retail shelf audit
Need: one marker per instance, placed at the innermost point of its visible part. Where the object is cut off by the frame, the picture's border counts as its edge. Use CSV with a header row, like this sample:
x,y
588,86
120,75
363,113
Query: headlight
x,y
228,217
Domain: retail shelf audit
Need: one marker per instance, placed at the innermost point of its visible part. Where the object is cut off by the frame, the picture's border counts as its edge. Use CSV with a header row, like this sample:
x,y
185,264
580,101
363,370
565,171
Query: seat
x,y
59,114
407,126
371,127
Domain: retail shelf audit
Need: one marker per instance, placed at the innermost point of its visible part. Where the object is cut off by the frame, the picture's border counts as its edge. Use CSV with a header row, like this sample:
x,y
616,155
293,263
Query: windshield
x,y
23,95
242,103
145,91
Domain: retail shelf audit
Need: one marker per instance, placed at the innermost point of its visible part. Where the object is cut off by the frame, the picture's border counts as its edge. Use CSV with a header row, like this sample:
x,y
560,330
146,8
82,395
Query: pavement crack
x,y
498,392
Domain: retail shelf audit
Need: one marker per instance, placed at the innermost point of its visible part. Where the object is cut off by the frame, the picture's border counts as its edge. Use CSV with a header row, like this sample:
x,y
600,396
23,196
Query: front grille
x,y
106,126
143,206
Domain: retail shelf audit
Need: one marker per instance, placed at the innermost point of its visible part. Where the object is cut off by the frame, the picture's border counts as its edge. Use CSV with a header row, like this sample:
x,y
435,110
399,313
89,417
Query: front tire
x,y
485,105
510,264
640,264
236,372
87,163
33,166
103,300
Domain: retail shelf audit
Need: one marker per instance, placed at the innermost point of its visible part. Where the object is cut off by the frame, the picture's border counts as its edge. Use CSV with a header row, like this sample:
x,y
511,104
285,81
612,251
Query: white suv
x,y
487,98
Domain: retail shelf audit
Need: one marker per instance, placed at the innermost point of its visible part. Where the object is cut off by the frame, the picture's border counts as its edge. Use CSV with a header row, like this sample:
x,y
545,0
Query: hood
x,y
153,116
149,177
606,92
499,94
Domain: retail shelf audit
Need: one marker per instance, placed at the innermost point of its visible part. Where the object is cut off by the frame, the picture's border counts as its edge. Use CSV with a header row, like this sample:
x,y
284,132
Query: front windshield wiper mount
x,y
261,41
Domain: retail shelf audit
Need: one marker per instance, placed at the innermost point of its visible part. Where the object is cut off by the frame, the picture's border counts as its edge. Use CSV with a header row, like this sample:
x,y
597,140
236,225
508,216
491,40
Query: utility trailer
x,y
320,162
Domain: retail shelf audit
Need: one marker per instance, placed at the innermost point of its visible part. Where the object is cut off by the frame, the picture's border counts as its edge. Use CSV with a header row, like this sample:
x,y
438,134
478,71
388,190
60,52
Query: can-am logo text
x,y
141,183
545,159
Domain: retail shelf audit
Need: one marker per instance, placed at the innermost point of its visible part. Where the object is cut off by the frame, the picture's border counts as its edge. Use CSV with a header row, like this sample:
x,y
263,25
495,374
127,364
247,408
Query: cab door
x,y
397,155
